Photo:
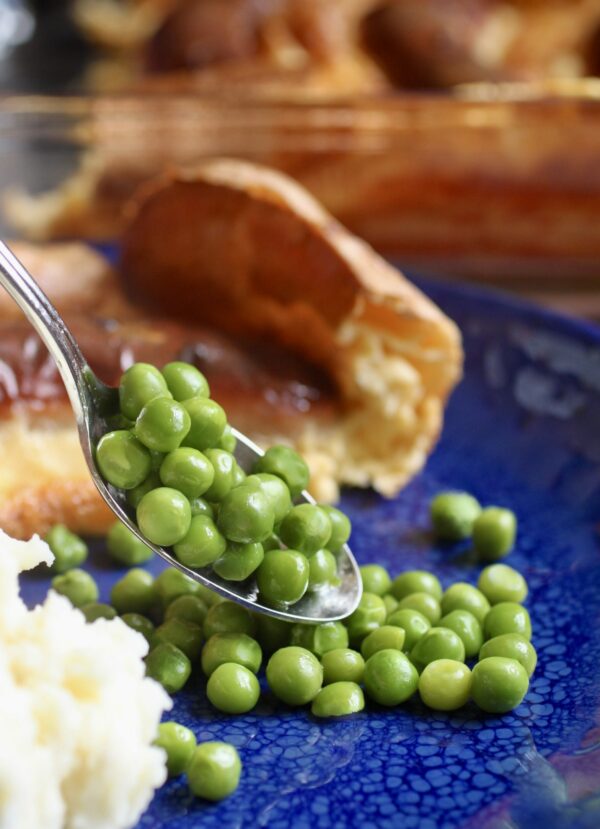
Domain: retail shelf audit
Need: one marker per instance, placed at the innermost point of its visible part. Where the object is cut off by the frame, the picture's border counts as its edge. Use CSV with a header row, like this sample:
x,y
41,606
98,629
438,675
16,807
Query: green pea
x,y
368,616
68,549
125,547
463,596
185,381
375,579
200,506
381,639
494,533
445,684
425,603
391,604
498,684
97,610
223,464
214,771
287,465
340,528
77,585
239,476
507,617
500,583
207,423
338,700
162,424
135,495
306,528
185,635
164,516
201,545
169,665
134,593
511,646
172,583
139,623
294,675
416,581
122,460
282,577
188,471
228,440
389,677
342,665
246,515
272,634
233,689
228,617
467,627
231,647
319,639
276,492
140,384
453,515
178,743
239,561
413,623
322,569
189,608
438,643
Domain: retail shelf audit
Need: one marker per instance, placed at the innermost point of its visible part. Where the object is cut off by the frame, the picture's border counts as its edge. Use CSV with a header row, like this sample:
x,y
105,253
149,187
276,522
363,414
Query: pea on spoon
x,y
94,403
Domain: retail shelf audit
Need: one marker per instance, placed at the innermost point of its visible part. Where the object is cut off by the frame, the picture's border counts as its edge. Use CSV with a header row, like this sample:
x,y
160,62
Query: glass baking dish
x,y
494,183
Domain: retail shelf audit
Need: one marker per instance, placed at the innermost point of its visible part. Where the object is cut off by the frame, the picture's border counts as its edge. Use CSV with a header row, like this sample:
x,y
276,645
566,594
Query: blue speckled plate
x,y
523,430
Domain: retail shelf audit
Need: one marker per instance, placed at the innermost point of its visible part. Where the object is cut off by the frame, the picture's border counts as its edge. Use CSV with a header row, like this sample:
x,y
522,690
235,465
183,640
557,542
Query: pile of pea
x,y
408,634
173,455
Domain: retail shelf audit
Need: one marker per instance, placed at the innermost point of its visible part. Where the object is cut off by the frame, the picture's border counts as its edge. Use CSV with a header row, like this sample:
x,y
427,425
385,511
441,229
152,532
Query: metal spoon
x,y
94,403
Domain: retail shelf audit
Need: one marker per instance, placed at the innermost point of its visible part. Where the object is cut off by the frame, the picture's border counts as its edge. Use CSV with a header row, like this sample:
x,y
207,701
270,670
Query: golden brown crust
x,y
252,252
257,277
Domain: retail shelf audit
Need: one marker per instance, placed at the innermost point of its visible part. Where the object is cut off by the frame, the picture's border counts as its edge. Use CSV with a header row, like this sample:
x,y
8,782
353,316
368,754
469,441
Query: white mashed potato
x,y
77,715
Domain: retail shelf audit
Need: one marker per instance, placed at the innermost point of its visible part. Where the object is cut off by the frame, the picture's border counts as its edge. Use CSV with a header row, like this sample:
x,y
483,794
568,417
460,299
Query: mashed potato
x,y
77,715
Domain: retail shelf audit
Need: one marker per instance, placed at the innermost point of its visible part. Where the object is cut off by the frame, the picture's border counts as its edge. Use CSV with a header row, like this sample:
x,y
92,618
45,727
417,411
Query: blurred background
x,y
460,137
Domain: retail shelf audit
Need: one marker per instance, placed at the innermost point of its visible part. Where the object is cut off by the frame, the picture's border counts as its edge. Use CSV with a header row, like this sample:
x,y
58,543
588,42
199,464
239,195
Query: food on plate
x,y
445,685
233,689
67,689
342,665
178,743
453,515
330,350
498,684
494,533
67,548
214,770
501,583
338,699
77,586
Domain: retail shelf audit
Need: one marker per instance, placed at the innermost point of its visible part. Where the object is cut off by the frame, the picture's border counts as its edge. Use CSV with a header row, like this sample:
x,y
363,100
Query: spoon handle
x,y
48,323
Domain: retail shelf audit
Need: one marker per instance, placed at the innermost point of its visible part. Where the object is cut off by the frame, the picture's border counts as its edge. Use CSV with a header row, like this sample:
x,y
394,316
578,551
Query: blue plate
x,y
522,430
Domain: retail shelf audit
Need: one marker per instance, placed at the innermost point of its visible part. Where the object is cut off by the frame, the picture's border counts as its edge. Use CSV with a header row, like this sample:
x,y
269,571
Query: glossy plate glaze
x,y
522,430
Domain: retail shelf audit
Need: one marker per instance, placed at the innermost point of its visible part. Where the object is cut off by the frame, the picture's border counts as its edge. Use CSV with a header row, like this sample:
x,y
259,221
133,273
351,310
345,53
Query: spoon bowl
x,y
96,404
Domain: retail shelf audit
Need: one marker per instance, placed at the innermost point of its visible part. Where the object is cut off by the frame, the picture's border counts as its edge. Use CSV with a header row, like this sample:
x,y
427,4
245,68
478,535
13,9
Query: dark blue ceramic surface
x,y
522,430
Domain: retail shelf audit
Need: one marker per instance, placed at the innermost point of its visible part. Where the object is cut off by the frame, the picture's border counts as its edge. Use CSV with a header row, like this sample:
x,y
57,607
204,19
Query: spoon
x,y
94,404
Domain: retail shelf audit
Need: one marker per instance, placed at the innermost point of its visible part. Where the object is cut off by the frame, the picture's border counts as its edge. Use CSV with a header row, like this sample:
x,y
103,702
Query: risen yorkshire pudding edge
x,y
245,249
